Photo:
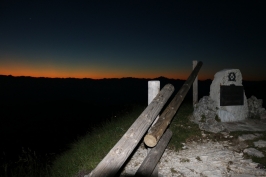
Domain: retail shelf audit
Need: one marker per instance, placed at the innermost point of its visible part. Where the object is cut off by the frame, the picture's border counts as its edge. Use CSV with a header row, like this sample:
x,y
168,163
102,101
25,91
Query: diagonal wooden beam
x,y
157,130
116,157
149,163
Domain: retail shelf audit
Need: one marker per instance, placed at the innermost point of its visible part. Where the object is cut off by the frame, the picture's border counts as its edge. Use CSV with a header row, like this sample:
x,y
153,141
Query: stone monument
x,y
238,109
226,103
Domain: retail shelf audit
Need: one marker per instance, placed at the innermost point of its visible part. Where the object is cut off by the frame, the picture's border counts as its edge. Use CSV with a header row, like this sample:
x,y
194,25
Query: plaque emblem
x,y
232,76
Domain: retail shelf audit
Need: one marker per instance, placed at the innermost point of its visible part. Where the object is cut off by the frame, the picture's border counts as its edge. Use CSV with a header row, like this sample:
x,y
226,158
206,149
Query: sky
x,y
132,38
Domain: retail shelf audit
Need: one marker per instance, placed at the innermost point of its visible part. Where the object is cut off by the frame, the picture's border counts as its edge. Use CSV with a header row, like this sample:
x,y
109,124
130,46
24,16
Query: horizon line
x,y
129,77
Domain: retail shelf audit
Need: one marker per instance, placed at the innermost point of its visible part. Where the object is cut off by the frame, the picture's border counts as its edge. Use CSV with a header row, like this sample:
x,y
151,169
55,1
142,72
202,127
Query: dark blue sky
x,y
144,39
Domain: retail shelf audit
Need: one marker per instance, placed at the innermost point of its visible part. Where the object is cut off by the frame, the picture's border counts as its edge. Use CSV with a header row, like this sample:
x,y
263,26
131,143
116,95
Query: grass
x,y
86,152
182,128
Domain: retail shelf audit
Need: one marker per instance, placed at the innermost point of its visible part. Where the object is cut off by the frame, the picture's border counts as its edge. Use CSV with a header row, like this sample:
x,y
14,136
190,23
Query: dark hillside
x,y
46,114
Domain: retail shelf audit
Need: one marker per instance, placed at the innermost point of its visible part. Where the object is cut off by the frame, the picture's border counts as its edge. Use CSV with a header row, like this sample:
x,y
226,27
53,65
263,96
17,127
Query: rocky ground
x,y
206,157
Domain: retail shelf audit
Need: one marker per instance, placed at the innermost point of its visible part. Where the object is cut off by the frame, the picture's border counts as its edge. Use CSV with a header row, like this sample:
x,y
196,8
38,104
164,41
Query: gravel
x,y
199,159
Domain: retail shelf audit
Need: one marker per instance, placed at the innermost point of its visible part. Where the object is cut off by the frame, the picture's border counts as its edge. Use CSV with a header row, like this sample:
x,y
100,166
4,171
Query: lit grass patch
x,y
182,127
217,119
198,158
173,171
87,152
183,160
203,119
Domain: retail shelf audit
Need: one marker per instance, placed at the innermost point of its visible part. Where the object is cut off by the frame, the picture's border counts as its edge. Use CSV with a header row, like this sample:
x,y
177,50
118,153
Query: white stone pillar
x,y
153,90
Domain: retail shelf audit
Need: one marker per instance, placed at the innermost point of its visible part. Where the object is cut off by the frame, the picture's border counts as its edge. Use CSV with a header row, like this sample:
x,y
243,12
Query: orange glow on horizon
x,y
55,70
99,72
91,75
58,70
49,74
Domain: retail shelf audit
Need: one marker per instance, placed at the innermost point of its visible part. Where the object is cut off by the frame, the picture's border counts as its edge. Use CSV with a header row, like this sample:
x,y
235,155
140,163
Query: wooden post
x,y
165,118
195,85
153,90
117,156
149,163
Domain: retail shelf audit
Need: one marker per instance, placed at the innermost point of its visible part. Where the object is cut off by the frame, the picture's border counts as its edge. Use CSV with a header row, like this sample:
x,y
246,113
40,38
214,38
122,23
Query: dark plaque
x,y
231,95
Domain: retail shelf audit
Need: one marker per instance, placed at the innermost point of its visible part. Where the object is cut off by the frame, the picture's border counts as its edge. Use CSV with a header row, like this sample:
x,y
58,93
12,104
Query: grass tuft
x,y
182,128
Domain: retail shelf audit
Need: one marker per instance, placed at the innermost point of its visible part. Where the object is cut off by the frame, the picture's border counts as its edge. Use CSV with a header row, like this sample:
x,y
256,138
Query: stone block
x,y
255,108
225,116
260,144
249,136
253,152
244,175
263,115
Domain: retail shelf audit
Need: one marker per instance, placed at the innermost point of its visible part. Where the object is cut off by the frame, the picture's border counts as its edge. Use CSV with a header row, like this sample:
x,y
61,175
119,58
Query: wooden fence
x,y
158,133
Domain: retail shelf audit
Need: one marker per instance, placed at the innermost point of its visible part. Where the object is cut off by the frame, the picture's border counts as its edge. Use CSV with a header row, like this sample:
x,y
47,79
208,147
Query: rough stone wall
x,y
255,108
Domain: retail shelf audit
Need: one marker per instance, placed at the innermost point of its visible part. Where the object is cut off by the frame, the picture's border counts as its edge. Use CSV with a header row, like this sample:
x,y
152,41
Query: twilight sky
x,y
132,38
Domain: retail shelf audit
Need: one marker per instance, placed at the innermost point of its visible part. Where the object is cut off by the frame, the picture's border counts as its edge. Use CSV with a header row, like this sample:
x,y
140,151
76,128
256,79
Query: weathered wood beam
x,y
149,163
195,85
157,130
116,157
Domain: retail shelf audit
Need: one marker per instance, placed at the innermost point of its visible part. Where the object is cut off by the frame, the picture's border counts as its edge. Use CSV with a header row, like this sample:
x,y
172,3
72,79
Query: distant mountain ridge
x,y
23,88
159,78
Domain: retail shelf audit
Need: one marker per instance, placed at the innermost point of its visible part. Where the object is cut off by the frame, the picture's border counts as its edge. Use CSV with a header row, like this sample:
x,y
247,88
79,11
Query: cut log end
x,y
150,140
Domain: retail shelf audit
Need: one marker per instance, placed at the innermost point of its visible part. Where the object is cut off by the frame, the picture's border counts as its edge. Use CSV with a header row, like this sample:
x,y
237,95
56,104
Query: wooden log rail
x,y
117,156
157,130
150,162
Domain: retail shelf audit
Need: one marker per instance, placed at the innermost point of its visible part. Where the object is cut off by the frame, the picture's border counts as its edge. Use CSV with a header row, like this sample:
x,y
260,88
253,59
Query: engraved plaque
x,y
231,95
